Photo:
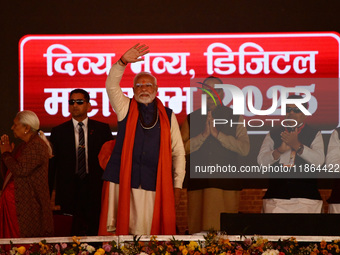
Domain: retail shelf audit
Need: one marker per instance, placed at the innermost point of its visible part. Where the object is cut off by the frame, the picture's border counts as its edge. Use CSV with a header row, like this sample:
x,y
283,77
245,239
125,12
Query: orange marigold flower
x,y
239,252
204,250
21,249
184,251
323,244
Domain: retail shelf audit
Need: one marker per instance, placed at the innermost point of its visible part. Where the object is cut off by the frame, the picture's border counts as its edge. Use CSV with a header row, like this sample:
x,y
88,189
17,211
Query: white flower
x,y
143,253
83,245
90,249
271,252
13,251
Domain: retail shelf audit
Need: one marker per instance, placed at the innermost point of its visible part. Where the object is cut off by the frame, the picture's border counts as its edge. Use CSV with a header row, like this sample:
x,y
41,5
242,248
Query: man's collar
x,y
75,122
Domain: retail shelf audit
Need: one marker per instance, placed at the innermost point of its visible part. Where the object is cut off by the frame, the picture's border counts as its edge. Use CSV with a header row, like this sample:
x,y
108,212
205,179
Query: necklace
x,y
146,126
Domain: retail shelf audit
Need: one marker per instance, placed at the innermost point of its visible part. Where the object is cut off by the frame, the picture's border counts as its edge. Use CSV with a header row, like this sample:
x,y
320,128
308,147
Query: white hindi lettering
x,y
52,103
97,63
262,60
215,65
173,63
173,97
59,98
253,59
174,102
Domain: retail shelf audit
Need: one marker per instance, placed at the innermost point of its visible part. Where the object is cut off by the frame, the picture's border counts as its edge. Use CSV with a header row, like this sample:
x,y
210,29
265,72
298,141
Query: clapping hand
x,y
213,130
5,145
209,127
291,139
283,147
134,54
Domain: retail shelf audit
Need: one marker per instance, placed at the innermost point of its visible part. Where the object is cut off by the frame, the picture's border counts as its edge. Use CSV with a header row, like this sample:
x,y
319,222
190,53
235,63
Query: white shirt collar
x,y
75,122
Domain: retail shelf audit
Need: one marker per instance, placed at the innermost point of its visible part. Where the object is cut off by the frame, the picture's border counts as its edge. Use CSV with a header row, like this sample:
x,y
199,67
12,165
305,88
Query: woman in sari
x,y
25,208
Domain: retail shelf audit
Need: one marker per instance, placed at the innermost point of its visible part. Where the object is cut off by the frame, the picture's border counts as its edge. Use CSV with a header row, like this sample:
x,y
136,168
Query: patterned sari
x,y
9,226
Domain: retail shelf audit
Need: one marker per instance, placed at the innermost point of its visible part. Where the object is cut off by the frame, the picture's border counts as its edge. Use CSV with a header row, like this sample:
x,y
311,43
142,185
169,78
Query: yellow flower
x,y
76,240
192,246
21,249
184,251
100,251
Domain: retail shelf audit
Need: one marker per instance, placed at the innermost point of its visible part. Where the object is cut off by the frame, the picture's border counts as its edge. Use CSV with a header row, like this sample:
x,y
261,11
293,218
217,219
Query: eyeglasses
x,y
78,101
294,109
148,85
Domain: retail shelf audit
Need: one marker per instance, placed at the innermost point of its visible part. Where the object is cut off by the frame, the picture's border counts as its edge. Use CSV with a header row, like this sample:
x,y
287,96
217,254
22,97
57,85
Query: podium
x,y
280,224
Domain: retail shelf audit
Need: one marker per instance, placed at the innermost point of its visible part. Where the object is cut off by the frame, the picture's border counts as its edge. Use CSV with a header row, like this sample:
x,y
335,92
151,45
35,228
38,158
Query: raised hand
x,y
5,144
134,54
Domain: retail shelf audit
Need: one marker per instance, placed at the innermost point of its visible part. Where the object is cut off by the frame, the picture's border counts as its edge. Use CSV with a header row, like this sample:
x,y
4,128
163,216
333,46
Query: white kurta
x,y
314,155
141,201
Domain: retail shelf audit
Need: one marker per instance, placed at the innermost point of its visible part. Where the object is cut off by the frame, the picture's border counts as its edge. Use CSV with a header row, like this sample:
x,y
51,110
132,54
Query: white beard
x,y
144,99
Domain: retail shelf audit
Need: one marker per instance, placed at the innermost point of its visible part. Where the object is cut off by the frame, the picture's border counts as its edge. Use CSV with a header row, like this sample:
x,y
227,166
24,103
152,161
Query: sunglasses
x,y
294,109
78,101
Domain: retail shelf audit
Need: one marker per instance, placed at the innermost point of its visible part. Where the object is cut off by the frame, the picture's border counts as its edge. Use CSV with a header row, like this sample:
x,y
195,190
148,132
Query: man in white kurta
x,y
145,89
298,146
333,163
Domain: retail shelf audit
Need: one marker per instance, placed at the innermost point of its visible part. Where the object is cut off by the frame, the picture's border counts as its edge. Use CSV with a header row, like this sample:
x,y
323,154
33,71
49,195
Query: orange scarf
x,y
164,215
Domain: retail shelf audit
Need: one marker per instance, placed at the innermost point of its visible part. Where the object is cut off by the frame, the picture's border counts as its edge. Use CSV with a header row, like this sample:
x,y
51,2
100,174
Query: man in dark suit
x,y
74,170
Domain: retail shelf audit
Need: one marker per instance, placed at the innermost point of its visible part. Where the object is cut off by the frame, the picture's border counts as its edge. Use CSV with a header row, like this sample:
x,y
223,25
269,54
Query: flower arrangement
x,y
214,243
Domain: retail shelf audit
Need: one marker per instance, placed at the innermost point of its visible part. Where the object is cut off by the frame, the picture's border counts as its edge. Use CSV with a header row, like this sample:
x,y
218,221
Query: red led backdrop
x,y
52,65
